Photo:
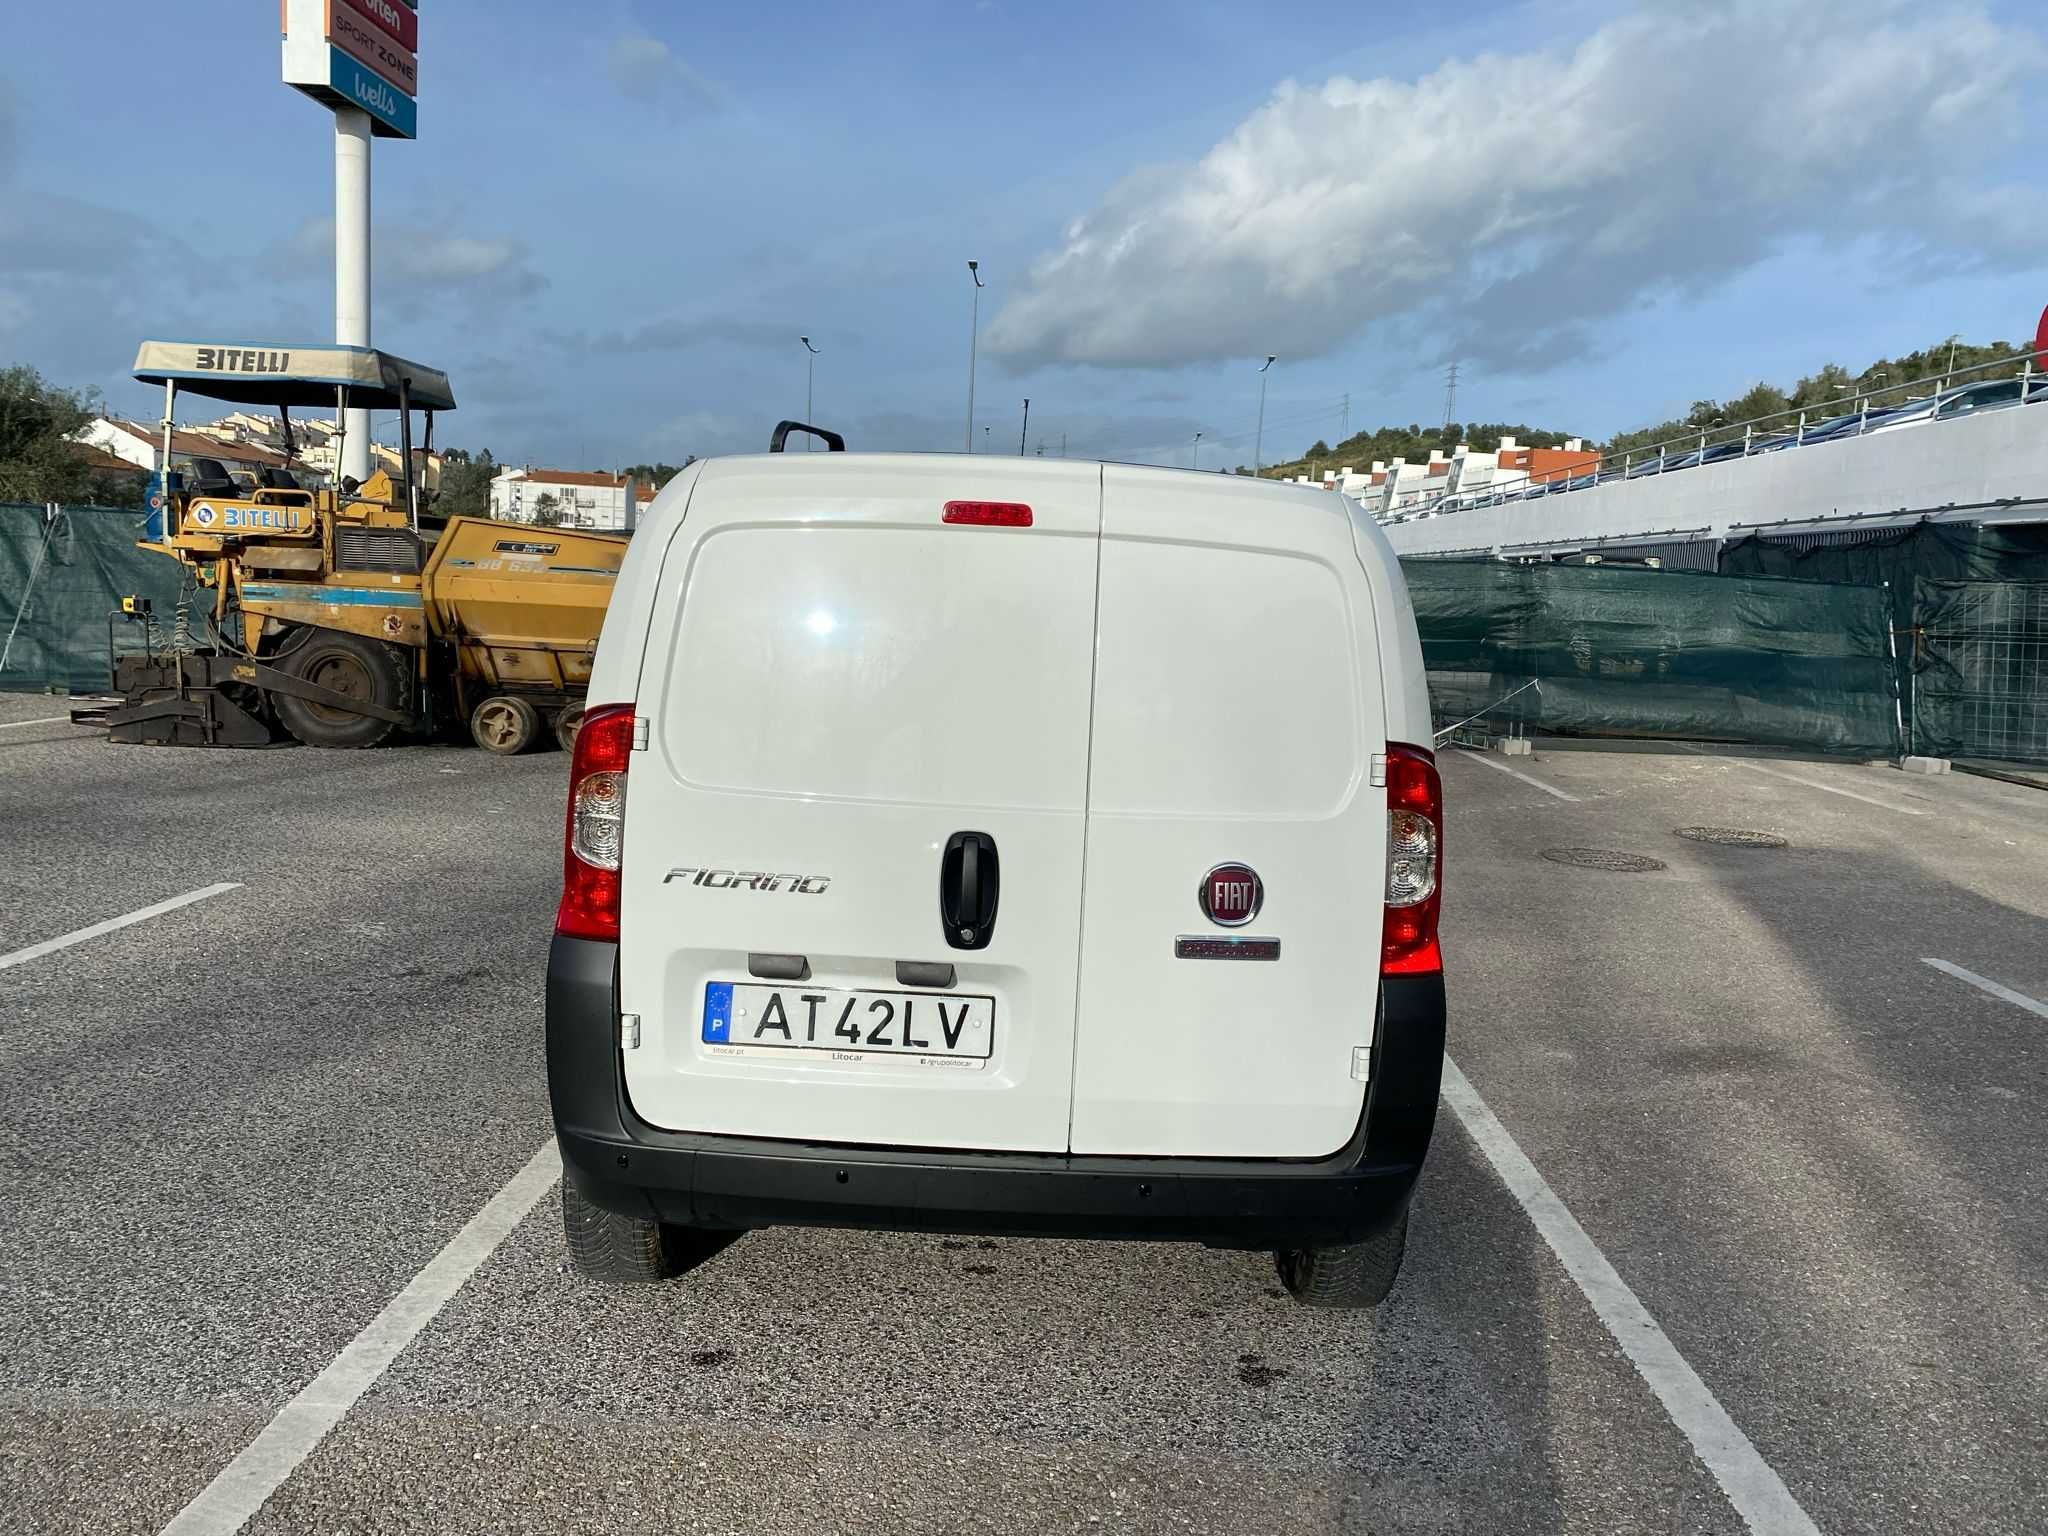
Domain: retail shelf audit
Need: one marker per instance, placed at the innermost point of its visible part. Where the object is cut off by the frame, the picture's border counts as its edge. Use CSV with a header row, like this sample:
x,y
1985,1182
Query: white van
x,y
1000,846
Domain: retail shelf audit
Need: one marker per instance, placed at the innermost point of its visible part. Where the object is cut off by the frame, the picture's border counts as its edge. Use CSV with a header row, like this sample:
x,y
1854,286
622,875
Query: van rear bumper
x,y
722,1182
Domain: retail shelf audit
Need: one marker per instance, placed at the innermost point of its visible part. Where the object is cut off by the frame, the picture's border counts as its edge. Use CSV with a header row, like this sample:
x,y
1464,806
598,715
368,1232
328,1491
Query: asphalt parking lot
x,y
1808,1161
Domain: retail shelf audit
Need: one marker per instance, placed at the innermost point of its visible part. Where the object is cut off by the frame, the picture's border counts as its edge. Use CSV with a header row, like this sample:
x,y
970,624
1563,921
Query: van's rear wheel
x,y
1345,1275
504,724
355,665
624,1250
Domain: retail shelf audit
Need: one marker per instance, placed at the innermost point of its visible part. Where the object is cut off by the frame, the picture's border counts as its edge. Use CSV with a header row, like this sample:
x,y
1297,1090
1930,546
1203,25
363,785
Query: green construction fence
x,y
62,571
1630,651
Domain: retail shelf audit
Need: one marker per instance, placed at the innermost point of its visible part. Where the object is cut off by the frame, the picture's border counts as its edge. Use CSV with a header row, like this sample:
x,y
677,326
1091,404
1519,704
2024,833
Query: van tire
x,y
1347,1275
353,664
617,1249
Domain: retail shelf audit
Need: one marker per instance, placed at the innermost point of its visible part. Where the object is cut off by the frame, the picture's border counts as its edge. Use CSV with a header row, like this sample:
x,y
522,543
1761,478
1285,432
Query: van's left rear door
x,y
836,682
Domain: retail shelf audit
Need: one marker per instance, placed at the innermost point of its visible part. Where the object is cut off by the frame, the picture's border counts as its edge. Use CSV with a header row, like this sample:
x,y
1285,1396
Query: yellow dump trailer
x,y
520,607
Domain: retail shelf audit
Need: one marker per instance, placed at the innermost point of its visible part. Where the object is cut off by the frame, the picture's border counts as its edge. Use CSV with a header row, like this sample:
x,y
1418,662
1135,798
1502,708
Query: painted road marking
x,y
1986,984
1850,794
225,1505
1758,1493
142,914
1830,789
15,725
1516,774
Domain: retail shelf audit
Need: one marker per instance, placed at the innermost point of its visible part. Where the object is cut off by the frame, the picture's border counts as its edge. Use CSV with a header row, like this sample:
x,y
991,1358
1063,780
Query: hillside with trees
x,y
1828,391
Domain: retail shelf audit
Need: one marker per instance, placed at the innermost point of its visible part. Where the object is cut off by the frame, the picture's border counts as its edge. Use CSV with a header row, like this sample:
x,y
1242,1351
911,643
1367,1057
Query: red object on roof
x,y
2041,334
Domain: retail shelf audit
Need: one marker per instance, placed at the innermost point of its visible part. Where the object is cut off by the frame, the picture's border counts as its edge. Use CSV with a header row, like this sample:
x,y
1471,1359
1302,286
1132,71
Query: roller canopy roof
x,y
272,374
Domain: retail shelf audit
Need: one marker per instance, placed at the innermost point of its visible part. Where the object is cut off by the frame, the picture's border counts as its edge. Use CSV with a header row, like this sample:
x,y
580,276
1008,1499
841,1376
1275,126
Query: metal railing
x,y
1789,428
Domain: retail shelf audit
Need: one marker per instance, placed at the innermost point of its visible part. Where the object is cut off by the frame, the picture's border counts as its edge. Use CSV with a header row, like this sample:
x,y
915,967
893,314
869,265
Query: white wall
x,y
1989,456
514,495
107,437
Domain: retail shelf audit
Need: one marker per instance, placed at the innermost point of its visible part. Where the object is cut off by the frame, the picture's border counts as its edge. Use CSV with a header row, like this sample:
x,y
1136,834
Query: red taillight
x,y
989,514
1415,842
593,843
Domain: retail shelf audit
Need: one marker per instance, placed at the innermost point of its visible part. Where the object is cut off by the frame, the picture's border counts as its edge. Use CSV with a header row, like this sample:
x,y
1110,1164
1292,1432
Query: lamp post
x,y
1259,440
1195,453
973,345
810,372
1024,430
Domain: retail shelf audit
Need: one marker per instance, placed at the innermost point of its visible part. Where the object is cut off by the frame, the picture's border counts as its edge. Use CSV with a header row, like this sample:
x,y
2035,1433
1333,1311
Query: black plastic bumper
x,y
620,1162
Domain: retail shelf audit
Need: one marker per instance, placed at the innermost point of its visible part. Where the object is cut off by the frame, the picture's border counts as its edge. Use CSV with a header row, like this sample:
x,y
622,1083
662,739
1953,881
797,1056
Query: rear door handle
x,y
970,883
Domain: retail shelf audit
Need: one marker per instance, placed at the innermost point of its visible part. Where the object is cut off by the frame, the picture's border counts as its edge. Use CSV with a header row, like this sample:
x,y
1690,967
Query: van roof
x,y
1055,470
976,476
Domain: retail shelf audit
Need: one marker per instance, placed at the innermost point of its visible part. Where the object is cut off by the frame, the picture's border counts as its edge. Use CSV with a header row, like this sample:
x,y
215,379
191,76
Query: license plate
x,y
938,1028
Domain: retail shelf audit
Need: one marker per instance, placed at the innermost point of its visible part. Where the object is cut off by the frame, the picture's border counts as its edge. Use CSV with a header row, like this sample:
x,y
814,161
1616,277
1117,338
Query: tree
x,y
1321,450
38,460
658,475
466,484
547,510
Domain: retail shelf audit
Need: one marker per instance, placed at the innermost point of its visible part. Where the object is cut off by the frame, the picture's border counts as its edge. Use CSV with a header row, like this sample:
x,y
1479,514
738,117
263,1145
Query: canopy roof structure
x,y
273,374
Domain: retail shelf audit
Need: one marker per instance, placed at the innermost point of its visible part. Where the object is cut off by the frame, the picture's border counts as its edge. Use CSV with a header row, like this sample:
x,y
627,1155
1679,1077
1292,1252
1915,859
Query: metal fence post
x,y
1891,635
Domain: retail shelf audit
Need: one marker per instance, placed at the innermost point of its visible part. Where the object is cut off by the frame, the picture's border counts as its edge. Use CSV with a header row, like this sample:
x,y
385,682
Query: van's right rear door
x,y
1238,706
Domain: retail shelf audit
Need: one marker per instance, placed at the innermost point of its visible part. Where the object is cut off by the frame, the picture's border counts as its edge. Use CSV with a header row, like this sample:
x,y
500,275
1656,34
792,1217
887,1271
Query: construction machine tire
x,y
356,665
505,724
567,724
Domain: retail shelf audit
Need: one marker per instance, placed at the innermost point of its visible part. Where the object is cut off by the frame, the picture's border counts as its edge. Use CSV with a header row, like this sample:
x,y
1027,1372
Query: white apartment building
x,y
578,499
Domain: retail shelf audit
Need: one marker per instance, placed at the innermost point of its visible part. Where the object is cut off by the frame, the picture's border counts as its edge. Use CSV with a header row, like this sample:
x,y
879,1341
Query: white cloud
x,y
647,69
418,258
1503,205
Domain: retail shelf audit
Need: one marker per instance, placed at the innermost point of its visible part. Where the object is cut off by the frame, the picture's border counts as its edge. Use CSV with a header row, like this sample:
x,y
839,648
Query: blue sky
x,y
619,217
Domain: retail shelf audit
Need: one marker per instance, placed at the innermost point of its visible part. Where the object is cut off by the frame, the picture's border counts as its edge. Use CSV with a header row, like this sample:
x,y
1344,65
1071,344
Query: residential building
x,y
576,498
141,445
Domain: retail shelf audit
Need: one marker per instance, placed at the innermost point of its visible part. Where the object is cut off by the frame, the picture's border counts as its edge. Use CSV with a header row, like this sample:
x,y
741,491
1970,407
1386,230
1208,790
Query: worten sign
x,y
395,18
356,53
372,45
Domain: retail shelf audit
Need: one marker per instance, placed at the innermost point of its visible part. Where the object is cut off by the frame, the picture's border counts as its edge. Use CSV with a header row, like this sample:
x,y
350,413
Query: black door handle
x,y
969,885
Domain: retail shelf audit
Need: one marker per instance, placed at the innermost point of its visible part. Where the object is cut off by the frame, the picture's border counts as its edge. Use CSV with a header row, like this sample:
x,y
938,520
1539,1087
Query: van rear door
x,y
1238,706
836,683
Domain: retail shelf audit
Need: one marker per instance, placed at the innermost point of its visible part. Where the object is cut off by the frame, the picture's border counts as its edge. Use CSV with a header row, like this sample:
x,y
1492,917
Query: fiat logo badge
x,y
1231,895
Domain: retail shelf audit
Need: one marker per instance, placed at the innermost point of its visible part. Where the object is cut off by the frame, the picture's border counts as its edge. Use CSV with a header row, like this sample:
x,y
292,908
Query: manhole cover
x,y
1732,837
1603,858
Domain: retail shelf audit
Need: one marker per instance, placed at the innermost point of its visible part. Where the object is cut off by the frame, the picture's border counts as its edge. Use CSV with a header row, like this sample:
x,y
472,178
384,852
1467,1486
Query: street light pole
x,y
810,367
1259,441
973,346
1195,455
1024,430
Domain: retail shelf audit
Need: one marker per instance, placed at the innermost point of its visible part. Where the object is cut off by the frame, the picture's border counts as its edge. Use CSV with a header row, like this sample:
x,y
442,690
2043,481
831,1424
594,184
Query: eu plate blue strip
x,y
717,1012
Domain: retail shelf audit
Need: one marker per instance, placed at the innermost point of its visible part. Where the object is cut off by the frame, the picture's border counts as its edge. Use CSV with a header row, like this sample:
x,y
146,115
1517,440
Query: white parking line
x,y
15,725
141,914
1758,1493
1515,774
225,1504
1986,984
1847,794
